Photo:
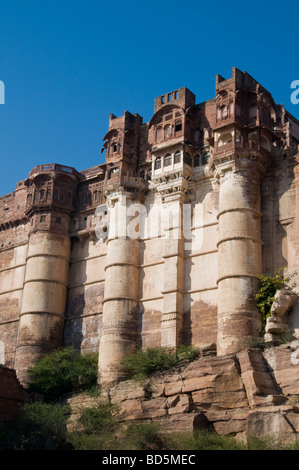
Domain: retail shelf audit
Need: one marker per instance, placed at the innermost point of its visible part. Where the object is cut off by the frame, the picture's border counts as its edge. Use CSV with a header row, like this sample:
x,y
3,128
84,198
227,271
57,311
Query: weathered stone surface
x,y
277,322
251,393
281,422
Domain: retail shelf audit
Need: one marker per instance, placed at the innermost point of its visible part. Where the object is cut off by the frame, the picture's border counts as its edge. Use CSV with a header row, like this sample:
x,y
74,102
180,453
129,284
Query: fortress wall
x,y
85,295
280,223
151,275
201,269
12,272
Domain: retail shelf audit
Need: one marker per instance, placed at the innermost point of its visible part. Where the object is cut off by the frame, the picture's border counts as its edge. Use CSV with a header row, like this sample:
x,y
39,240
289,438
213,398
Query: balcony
x,y
244,144
52,167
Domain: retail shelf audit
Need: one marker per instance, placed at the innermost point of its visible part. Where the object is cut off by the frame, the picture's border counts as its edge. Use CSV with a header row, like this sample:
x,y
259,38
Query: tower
x,y
242,146
50,200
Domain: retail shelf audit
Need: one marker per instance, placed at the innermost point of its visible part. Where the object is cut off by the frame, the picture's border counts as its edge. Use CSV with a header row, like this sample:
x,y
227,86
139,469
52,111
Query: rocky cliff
x,y
254,392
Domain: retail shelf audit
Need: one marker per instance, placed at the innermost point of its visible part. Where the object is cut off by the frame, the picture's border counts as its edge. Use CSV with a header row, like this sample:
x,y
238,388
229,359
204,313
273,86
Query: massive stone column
x,y
240,254
44,299
119,323
50,201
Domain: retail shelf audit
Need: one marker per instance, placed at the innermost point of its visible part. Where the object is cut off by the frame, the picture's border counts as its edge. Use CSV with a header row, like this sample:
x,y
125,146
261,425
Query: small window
x,y
158,133
167,160
42,218
167,131
157,163
149,175
175,95
169,97
196,160
162,99
142,174
58,220
178,127
177,157
114,148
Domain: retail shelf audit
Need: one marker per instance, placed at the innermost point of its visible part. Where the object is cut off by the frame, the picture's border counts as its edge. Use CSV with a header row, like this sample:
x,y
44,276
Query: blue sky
x,y
67,64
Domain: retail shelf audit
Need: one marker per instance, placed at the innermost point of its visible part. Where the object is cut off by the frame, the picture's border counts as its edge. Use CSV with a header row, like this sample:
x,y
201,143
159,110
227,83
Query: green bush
x,y
62,372
142,364
41,426
265,295
99,418
202,440
142,436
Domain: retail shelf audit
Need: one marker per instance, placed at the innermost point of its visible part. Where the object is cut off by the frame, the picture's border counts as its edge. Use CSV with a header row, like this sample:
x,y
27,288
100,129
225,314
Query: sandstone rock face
x,y
277,323
253,392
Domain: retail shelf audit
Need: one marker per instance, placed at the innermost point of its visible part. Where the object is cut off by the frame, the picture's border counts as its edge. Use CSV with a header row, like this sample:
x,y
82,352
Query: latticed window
x,y
167,131
167,160
177,157
159,133
158,163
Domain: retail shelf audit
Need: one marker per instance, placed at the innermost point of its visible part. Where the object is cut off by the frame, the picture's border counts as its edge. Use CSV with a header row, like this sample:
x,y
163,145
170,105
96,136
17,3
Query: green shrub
x,y
265,295
142,364
41,426
99,418
203,440
61,372
99,428
142,436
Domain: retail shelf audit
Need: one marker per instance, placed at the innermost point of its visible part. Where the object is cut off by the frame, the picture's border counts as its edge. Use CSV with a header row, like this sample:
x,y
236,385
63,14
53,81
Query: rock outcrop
x,y
254,392
277,323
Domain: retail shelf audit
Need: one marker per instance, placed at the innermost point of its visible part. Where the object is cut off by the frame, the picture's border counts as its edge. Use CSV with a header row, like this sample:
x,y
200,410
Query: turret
x,y
50,201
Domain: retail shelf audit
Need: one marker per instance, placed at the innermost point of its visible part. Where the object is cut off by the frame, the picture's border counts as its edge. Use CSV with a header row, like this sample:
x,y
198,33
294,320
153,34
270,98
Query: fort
x,y
67,277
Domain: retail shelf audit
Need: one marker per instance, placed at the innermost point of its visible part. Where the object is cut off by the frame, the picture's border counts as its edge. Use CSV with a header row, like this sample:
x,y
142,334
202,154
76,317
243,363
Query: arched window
x,y
167,131
167,160
177,157
157,164
196,160
159,133
265,143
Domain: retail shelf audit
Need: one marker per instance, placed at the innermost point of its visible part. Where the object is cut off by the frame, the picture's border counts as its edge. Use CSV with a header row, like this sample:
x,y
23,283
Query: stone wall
x,y
12,394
